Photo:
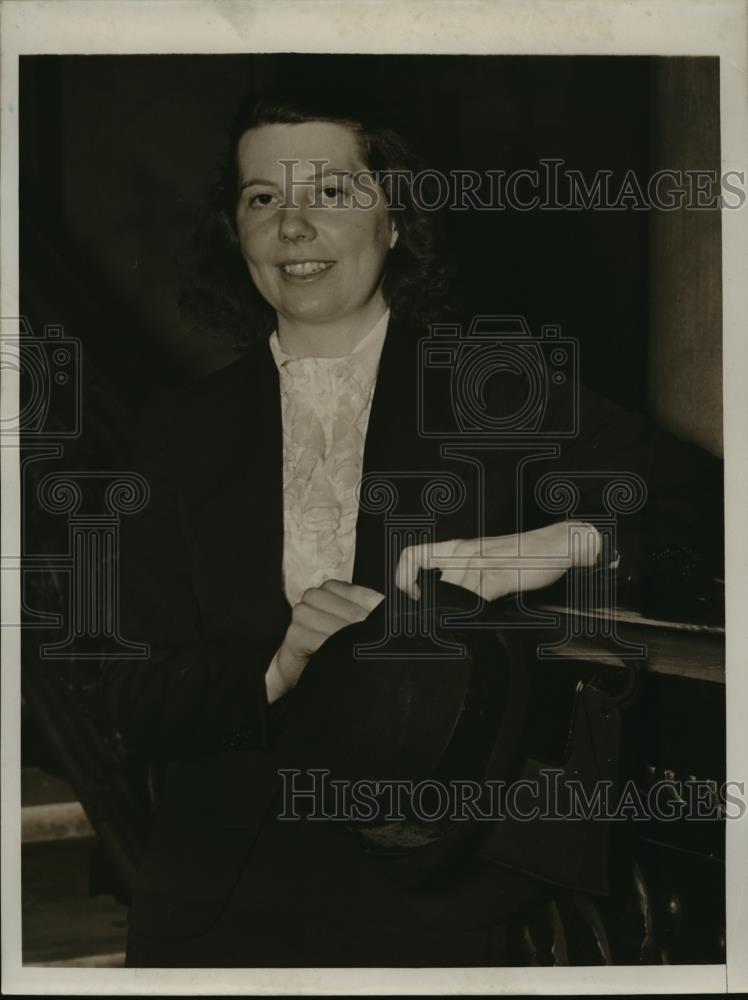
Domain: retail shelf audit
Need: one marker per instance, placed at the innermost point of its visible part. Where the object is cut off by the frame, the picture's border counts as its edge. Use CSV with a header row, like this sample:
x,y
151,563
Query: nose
x,y
295,225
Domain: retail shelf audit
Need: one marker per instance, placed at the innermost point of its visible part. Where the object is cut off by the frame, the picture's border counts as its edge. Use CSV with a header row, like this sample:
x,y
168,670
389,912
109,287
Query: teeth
x,y
307,267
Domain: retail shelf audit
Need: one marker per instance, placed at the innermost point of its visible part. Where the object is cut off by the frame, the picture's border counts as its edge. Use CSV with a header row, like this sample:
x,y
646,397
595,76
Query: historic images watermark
x,y
314,795
550,185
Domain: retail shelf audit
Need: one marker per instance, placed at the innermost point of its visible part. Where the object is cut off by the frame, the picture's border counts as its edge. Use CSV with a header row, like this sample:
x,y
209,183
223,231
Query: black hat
x,y
416,692
432,691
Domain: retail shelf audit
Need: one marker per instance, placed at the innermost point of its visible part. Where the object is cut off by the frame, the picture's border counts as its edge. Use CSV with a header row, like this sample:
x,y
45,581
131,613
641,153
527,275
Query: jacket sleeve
x,y
188,696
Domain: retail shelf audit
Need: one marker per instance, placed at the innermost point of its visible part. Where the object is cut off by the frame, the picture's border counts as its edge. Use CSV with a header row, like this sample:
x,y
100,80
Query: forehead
x,y
260,151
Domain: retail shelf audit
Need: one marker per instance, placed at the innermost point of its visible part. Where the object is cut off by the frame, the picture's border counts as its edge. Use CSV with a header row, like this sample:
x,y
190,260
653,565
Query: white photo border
x,y
495,27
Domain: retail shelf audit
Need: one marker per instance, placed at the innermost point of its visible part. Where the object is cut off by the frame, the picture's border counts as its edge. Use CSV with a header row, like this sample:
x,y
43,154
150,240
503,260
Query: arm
x,y
678,524
190,696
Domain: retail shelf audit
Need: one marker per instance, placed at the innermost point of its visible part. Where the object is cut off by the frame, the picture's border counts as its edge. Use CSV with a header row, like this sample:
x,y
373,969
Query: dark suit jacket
x,y
201,583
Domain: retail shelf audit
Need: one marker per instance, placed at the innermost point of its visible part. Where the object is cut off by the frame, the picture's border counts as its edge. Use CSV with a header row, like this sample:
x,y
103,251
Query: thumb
x,y
412,559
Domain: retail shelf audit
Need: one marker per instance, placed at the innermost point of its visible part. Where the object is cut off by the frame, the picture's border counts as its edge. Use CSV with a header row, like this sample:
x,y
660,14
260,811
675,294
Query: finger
x,y
440,555
364,597
469,579
412,559
372,600
494,585
303,641
416,557
486,584
453,576
335,604
318,620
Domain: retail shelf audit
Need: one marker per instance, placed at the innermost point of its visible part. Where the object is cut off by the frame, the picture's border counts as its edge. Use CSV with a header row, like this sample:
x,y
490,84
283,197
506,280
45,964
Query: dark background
x,y
118,154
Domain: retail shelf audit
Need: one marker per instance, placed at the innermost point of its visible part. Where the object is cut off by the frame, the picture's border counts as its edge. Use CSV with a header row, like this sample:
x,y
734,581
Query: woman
x,y
254,550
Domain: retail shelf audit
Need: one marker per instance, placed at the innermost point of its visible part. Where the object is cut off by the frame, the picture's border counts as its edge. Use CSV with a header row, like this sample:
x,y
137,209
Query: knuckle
x,y
300,614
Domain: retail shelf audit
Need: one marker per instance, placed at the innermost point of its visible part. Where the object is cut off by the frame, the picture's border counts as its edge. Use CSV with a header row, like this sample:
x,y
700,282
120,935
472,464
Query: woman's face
x,y
315,250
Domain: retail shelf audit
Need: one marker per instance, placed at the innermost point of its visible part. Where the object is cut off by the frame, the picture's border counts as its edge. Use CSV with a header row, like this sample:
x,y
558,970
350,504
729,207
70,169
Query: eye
x,y
331,194
263,200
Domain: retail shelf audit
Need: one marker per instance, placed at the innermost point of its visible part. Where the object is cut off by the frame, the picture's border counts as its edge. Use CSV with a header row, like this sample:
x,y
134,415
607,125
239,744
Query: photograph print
x,y
372,511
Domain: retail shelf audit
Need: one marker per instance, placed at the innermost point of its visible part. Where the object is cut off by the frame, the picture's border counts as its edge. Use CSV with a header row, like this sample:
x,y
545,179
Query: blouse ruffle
x,y
325,405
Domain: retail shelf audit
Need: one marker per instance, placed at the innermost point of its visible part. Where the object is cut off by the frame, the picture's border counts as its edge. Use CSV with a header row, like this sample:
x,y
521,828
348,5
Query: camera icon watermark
x,y
48,368
502,382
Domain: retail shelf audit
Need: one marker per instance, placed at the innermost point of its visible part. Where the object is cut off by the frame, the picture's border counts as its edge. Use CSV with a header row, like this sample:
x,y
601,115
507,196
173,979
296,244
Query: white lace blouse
x,y
325,406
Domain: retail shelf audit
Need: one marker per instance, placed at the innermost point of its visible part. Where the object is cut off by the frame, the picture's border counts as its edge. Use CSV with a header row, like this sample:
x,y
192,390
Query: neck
x,y
331,339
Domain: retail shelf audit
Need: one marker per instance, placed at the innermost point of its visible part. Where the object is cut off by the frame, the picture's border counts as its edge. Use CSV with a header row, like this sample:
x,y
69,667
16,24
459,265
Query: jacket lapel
x,y
397,459
404,461
239,432
234,509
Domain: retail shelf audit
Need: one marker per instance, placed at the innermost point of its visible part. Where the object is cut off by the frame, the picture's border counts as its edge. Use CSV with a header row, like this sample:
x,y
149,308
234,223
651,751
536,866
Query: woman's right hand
x,y
321,612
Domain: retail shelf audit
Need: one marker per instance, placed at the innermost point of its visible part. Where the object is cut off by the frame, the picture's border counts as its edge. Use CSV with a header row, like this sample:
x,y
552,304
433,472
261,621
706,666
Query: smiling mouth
x,y
307,268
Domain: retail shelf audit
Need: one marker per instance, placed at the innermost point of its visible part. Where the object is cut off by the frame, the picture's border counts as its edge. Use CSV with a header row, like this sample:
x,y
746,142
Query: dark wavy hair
x,y
219,296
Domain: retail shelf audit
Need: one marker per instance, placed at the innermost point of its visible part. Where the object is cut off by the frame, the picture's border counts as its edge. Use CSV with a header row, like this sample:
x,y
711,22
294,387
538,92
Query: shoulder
x,y
224,384
254,363
196,410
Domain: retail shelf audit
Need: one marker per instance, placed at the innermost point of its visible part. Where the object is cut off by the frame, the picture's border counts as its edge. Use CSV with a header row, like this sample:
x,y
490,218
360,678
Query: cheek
x,y
253,243
265,280
246,244
369,238
260,270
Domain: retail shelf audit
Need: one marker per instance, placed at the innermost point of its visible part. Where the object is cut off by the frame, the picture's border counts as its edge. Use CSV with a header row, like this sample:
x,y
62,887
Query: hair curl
x,y
219,296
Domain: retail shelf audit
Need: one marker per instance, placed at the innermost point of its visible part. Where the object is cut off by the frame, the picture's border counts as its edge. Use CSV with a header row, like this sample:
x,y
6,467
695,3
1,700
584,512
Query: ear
x,y
394,235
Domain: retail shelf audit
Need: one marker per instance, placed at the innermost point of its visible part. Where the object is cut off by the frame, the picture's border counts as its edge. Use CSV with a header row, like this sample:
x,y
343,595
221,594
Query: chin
x,y
316,311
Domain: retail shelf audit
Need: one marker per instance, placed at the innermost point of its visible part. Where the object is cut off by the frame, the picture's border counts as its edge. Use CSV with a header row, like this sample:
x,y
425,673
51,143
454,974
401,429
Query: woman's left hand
x,y
503,564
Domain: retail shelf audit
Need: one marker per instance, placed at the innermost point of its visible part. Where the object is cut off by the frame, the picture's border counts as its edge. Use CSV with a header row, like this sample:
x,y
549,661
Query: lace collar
x,y
365,355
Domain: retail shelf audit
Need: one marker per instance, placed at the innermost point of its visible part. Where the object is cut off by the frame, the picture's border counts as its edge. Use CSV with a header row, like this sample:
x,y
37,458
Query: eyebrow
x,y
261,182
258,181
